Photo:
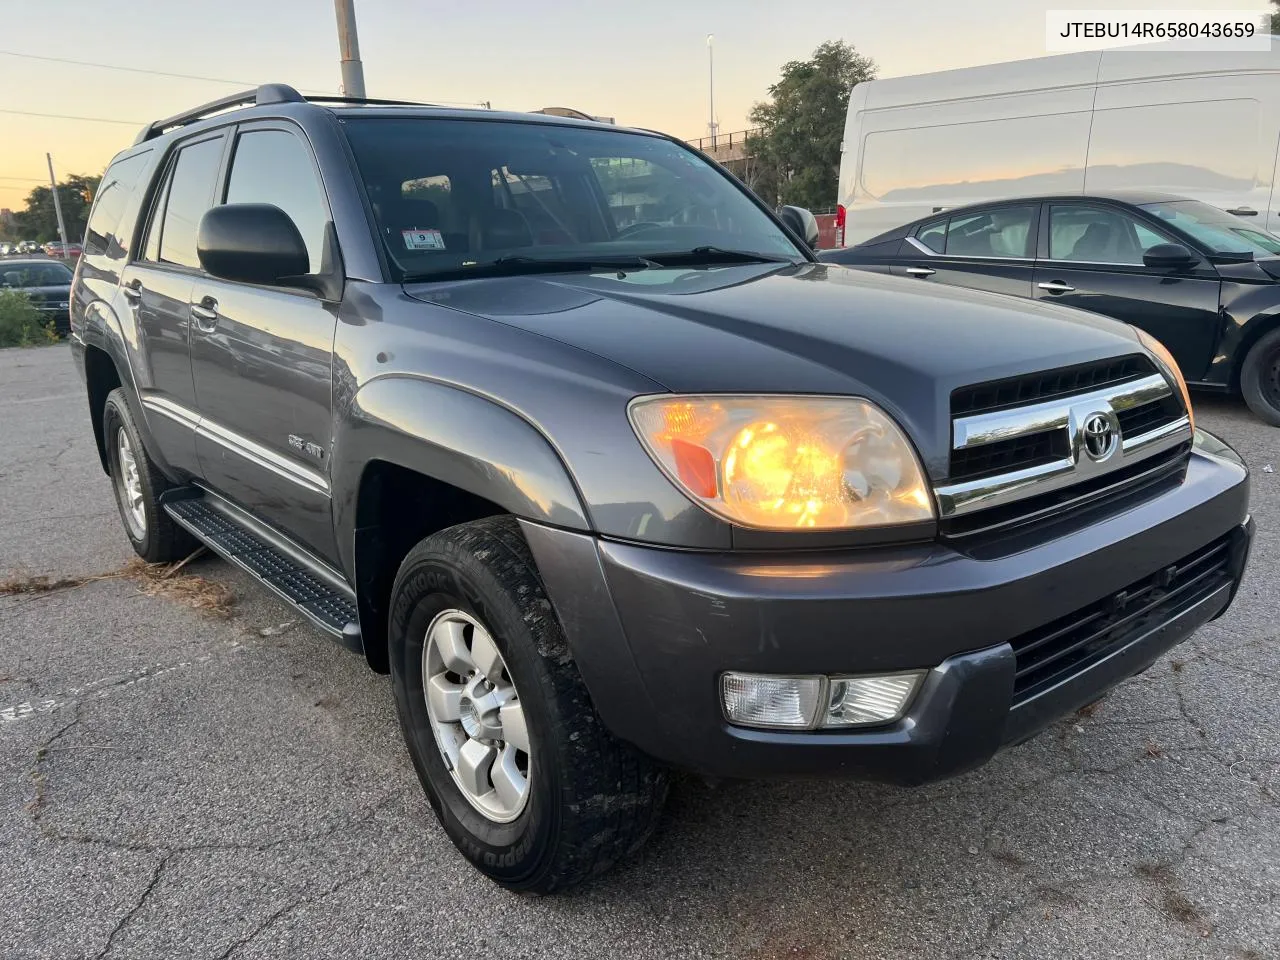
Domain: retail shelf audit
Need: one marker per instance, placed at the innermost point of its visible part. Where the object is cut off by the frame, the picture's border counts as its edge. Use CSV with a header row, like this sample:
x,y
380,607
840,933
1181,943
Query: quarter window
x,y
1097,235
189,198
274,166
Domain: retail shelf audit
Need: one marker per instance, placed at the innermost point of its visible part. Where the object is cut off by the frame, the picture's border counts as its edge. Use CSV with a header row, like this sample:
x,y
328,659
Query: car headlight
x,y
786,462
1165,359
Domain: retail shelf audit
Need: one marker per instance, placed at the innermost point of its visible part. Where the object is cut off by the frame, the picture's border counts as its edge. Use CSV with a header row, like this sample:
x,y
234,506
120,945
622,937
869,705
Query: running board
x,y
317,592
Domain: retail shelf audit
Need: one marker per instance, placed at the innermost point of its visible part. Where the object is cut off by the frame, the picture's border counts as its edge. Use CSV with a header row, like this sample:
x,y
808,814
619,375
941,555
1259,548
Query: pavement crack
x,y
39,775
125,920
288,908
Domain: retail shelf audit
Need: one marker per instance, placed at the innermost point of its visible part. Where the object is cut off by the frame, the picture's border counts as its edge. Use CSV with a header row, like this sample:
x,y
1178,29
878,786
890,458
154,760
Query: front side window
x,y
1098,235
452,195
1221,232
190,195
274,166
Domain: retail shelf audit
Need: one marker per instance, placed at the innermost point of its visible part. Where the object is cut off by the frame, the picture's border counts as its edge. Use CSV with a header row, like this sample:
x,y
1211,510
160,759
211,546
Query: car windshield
x,y
1220,231
455,197
34,275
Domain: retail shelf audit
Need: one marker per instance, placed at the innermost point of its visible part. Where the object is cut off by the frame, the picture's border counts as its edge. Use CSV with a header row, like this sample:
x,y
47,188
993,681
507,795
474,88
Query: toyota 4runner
x,y
557,424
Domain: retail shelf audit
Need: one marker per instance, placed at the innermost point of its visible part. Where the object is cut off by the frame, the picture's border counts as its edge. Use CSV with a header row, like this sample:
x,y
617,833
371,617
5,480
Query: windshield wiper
x,y
516,264
710,254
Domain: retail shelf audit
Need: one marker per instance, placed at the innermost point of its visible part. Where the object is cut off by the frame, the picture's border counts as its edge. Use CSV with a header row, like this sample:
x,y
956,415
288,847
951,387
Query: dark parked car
x,y
607,495
1205,282
48,285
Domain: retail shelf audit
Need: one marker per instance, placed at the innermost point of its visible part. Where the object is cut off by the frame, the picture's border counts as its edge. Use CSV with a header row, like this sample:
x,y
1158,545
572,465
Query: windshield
x,y
34,275
1220,231
456,196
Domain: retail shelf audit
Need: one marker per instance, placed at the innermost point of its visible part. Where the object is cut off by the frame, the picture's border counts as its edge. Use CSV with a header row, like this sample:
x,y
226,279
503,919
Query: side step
x,y
316,591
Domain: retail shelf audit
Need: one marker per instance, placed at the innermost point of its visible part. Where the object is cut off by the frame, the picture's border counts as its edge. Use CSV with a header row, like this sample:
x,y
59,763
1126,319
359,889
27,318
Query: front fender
x,y
455,437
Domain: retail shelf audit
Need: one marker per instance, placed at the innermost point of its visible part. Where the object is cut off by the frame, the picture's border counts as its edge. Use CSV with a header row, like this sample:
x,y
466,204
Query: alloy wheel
x,y
130,486
476,715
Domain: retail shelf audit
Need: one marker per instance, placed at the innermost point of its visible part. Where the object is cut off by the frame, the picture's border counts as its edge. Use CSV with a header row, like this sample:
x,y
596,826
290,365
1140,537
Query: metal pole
x,y
711,89
349,47
57,205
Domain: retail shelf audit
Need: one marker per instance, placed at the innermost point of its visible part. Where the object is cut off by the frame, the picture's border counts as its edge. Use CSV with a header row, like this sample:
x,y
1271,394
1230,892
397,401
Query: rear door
x,y
1092,259
991,249
261,356
157,287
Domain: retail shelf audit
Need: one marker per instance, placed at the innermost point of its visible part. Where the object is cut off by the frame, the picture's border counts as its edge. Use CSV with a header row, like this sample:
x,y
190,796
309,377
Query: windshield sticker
x,y
422,239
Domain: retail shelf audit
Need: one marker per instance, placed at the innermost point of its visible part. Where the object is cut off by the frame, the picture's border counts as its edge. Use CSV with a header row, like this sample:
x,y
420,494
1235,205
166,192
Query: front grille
x,y
1032,388
1138,420
1071,644
1004,456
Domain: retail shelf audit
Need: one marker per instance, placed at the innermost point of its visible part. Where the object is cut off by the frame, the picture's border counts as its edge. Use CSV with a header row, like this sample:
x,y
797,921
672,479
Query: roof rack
x,y
267,93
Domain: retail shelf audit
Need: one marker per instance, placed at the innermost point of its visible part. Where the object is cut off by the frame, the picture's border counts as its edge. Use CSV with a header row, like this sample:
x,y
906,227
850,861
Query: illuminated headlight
x,y
786,462
812,702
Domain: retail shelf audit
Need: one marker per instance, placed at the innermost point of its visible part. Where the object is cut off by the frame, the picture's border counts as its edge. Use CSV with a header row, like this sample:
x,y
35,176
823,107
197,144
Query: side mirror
x,y
802,222
1168,256
251,243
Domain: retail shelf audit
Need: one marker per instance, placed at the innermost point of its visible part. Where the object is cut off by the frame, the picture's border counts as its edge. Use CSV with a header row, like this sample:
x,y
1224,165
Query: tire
x,y
589,798
1260,378
152,532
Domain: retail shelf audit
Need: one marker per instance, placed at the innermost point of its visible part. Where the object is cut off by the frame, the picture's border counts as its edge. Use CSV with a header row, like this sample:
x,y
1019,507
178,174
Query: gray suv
x,y
558,425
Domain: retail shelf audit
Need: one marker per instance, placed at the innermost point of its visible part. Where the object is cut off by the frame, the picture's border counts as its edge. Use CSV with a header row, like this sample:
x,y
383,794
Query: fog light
x,y
759,700
857,701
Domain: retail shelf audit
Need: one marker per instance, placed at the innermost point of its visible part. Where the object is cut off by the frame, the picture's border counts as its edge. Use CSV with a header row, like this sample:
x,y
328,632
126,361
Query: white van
x,y
1204,125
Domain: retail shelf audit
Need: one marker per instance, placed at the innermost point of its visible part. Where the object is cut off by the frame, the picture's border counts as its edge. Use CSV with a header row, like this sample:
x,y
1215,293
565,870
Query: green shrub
x,y
21,324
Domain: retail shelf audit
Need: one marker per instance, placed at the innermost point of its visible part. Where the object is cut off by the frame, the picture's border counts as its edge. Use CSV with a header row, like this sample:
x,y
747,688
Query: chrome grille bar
x,y
1069,415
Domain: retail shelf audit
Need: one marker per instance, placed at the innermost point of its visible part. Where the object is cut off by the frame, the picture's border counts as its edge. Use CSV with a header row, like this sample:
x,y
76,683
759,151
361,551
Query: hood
x,y
813,328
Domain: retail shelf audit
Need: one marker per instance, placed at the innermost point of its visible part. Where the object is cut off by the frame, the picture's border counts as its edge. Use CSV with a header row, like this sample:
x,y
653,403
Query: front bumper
x,y
652,630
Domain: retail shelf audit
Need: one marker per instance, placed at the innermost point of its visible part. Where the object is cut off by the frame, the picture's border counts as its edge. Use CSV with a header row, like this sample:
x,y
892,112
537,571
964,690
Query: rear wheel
x,y
526,781
1260,378
138,484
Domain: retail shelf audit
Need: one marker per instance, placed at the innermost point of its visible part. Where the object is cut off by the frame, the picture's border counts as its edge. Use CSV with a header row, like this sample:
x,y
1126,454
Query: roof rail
x,y
266,93
376,103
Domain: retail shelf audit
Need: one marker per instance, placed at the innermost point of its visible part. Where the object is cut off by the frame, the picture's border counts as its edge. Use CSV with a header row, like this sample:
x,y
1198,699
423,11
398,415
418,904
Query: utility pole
x,y
349,47
57,204
712,126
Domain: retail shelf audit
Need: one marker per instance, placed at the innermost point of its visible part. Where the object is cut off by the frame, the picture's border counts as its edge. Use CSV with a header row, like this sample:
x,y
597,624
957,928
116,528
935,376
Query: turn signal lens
x,y
786,462
1165,359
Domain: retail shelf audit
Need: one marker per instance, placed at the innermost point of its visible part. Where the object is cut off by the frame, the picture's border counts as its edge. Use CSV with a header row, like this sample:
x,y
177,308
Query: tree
x,y
796,153
1275,17
39,221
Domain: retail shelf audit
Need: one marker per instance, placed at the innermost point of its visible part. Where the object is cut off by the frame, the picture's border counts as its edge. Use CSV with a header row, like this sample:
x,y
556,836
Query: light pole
x,y
349,47
712,126
57,204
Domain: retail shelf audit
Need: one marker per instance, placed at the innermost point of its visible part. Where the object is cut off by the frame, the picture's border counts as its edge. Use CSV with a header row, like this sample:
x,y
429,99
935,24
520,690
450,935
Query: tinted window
x,y
1218,230
273,166
934,235
1097,235
547,191
994,233
107,233
34,275
190,196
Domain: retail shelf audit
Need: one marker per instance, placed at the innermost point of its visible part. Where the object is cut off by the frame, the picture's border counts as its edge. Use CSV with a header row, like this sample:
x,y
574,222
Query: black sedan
x,y
47,283
1204,282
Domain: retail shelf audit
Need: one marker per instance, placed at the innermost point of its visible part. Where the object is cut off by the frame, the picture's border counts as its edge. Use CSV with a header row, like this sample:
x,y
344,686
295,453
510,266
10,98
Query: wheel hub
x,y
479,706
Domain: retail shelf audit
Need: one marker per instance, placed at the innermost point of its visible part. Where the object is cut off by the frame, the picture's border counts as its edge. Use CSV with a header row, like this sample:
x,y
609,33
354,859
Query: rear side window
x,y
107,233
274,166
934,236
1001,232
190,195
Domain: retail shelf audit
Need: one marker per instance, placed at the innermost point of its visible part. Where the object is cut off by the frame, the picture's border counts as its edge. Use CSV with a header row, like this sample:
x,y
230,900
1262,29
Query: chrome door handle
x,y
1244,212
205,314
1056,286
132,291
920,272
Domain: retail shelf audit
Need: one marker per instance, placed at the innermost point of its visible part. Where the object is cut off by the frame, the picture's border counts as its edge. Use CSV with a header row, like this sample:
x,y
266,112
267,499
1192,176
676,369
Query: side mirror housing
x,y
803,223
1168,256
251,243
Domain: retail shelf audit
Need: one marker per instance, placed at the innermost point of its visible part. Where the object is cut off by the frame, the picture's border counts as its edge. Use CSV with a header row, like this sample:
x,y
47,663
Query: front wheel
x,y
1260,378
528,784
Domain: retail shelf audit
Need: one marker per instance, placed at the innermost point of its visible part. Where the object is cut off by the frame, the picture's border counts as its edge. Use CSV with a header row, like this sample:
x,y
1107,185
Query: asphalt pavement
x,y
176,784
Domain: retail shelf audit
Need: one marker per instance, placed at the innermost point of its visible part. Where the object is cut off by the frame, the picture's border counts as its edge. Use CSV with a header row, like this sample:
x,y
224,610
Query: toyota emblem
x,y
1099,437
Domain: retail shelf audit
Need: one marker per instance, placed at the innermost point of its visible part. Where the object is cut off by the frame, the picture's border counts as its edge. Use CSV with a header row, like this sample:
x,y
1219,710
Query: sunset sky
x,y
643,63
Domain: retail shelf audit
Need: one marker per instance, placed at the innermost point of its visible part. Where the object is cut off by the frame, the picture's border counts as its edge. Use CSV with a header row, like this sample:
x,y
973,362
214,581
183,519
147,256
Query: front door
x,y
1093,260
261,357
157,288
